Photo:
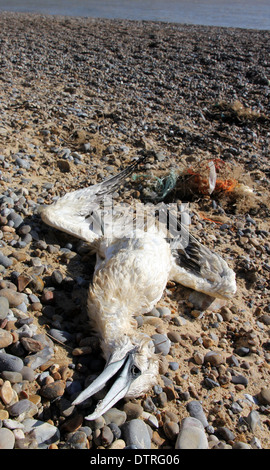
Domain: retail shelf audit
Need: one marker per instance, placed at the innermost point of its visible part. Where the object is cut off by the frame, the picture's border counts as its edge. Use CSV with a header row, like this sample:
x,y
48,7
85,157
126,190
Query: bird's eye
x,y
135,371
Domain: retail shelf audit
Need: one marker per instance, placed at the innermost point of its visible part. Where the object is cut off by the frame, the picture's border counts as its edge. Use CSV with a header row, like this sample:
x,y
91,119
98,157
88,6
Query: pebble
x,y
77,440
14,298
241,445
264,396
116,416
10,363
132,410
214,358
6,338
5,261
4,307
171,430
191,435
38,359
7,392
239,379
44,433
135,432
253,420
53,390
7,439
225,433
162,344
24,407
195,410
198,358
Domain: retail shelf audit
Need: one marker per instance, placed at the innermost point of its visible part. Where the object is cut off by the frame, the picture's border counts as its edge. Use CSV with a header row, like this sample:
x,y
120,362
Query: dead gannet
x,y
132,269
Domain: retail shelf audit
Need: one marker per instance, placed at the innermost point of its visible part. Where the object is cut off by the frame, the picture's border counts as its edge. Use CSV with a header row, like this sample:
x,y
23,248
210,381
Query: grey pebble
x,y
253,420
5,261
173,365
225,433
27,373
115,416
13,377
73,387
242,351
38,359
7,439
25,407
191,435
10,362
195,410
77,440
135,432
44,433
23,163
239,379
241,445
162,344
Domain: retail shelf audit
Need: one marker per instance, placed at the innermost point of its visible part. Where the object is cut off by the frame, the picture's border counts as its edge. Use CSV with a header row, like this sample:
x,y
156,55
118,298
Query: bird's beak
x,y
116,392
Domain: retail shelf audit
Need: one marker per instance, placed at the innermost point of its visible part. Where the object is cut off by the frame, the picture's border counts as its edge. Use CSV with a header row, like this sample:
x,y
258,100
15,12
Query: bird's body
x,y
131,272
129,279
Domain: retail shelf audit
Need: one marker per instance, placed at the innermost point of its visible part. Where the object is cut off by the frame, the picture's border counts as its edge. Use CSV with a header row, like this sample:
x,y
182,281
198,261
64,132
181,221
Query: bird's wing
x,y
196,266
81,213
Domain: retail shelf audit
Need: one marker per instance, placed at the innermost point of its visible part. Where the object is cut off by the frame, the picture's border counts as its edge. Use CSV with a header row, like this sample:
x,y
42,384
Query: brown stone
x,y
31,344
6,338
22,281
53,390
6,392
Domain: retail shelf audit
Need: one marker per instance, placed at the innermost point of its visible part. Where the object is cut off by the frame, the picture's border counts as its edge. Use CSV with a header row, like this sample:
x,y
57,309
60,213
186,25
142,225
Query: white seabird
x,y
131,273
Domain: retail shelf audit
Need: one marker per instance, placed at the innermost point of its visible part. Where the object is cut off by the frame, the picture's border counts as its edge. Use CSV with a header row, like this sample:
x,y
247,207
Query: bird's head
x,y
134,368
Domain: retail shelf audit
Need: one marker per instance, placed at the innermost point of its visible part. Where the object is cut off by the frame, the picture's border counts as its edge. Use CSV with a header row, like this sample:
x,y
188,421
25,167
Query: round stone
x,y
14,298
135,432
264,396
171,430
77,440
115,416
53,390
133,410
6,392
214,358
162,344
6,338
195,410
191,435
10,362
7,439
25,407
4,307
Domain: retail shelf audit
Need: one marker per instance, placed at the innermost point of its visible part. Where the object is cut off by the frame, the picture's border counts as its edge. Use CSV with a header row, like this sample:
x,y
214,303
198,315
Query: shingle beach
x,y
80,99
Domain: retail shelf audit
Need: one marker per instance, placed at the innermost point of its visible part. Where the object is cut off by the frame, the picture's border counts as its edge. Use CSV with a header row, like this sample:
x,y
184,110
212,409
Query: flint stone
x,y
25,407
36,360
5,261
4,307
195,410
14,298
191,435
7,439
162,344
135,432
6,338
10,362
44,433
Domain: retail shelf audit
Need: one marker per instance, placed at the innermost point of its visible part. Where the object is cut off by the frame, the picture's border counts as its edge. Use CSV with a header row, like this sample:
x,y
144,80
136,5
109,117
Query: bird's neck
x,y
111,318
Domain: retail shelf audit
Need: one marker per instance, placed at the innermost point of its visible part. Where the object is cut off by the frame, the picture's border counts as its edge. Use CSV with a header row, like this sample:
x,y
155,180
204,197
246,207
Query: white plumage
x,y
131,272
